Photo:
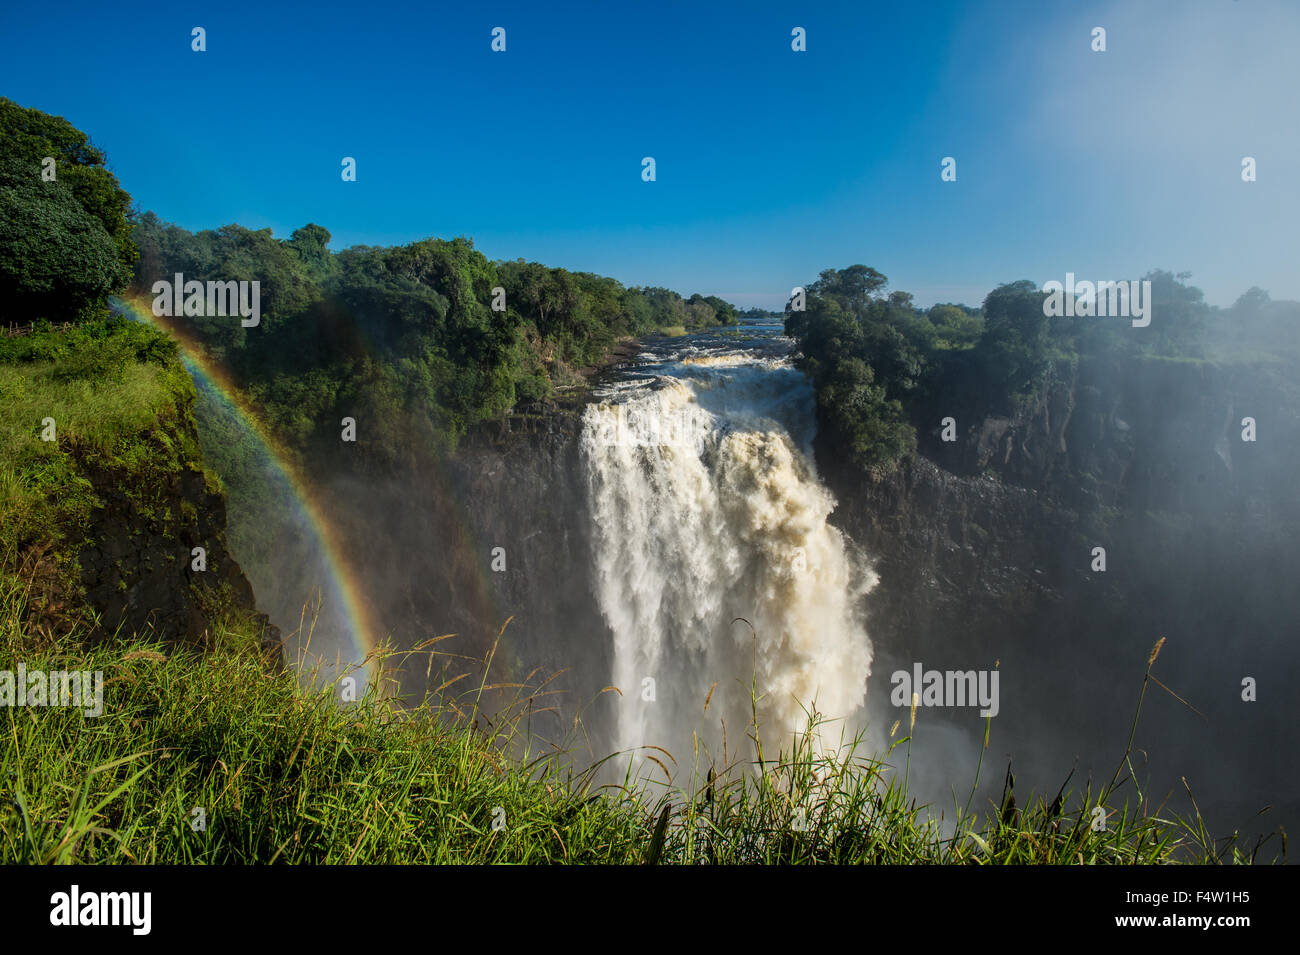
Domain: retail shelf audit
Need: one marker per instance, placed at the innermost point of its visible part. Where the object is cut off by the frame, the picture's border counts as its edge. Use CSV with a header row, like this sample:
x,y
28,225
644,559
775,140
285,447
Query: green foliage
x,y
407,336
955,327
858,409
1012,355
56,259
64,244
106,385
311,243
866,354
30,135
706,311
882,367
116,338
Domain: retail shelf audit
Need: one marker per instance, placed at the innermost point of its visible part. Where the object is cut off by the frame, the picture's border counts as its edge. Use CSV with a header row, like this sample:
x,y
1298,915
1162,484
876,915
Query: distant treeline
x,y
882,367
407,333
756,314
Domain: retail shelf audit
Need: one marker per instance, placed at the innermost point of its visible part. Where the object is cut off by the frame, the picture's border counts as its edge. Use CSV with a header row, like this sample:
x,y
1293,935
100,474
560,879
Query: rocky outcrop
x,y
523,489
459,545
125,563
952,553
986,551
138,566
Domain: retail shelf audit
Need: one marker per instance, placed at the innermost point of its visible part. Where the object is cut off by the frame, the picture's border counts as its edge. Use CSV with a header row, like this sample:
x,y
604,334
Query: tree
x,y
864,353
724,312
955,326
29,134
852,288
871,425
1012,354
311,242
56,259
900,300
1178,315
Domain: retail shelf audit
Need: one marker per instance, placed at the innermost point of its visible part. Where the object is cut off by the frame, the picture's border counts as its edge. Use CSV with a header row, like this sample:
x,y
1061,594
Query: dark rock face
x,y
989,557
951,551
525,492
523,489
425,540
984,549
136,565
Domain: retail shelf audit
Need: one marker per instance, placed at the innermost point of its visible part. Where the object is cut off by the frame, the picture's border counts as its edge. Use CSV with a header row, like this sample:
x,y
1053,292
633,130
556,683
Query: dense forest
x,y
65,221
886,370
406,333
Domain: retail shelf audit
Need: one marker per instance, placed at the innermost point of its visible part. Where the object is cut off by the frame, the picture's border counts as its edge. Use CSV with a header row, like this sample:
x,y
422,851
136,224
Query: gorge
x,y
690,495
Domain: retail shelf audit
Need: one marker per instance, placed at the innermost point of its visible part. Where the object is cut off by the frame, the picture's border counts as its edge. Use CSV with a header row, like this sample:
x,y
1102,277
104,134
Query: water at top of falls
x,y
705,507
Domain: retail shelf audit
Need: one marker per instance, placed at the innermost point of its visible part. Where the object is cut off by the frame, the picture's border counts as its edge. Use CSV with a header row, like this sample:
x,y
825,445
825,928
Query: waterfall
x,y
706,506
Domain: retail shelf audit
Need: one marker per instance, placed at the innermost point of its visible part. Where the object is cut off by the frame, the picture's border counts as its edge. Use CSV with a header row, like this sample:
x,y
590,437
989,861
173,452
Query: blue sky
x,y
771,164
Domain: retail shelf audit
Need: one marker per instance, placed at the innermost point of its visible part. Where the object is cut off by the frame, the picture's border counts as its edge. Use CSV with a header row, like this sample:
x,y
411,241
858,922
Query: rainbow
x,y
361,631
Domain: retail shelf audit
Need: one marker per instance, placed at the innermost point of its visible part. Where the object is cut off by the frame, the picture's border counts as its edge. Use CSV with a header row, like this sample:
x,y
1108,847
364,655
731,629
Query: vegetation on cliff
x,y
103,488
885,369
405,339
65,229
412,339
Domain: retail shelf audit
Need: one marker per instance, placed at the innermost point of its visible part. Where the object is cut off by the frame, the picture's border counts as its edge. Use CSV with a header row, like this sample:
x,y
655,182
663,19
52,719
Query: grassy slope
x,y
38,479
289,774
113,391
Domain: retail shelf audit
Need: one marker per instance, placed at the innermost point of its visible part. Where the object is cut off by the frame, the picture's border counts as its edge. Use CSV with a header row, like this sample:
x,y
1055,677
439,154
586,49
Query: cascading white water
x,y
706,506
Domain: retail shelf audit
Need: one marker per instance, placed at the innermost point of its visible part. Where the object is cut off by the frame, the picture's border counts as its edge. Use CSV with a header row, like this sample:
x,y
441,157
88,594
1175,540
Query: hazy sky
x,y
771,164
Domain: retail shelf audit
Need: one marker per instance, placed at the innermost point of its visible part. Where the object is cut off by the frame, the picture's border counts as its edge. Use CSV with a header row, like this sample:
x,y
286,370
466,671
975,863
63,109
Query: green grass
x,y
282,773
286,773
671,331
38,478
105,386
